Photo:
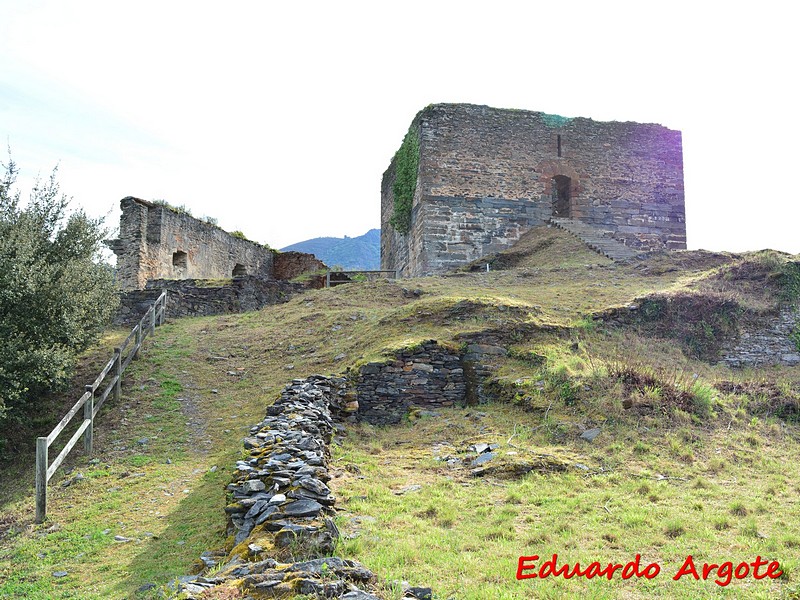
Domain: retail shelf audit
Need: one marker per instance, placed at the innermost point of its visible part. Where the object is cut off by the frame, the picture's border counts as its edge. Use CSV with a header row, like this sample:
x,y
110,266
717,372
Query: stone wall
x,y
288,265
767,343
280,506
426,377
486,176
193,298
158,242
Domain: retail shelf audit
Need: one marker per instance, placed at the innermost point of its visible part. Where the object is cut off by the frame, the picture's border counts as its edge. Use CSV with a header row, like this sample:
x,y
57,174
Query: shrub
x,y
55,294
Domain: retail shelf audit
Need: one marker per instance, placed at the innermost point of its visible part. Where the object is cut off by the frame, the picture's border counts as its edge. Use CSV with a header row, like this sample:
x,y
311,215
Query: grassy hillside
x,y
691,458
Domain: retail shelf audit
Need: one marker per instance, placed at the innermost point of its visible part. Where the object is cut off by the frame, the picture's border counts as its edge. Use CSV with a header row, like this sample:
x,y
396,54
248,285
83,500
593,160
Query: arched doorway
x,y
561,192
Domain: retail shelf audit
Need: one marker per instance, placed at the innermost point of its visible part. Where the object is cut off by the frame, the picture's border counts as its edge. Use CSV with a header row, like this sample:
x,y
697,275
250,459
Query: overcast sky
x,y
278,119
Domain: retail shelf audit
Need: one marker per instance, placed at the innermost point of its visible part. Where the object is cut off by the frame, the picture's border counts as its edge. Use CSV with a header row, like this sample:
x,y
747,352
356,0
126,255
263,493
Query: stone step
x,y
597,239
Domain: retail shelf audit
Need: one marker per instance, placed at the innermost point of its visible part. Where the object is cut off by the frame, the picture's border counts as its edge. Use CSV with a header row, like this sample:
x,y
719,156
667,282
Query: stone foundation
x,y
427,377
201,298
769,344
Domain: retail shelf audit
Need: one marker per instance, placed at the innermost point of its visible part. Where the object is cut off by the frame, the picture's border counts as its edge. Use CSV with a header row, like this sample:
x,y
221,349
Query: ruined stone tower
x,y
485,176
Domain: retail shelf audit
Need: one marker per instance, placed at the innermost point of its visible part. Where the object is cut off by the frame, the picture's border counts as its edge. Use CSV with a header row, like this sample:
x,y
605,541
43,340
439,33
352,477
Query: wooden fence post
x,y
41,479
163,314
118,371
153,319
328,279
137,341
88,409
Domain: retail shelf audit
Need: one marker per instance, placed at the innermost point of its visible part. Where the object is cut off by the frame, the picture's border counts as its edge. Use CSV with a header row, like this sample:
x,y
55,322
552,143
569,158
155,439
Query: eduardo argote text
x,y
529,567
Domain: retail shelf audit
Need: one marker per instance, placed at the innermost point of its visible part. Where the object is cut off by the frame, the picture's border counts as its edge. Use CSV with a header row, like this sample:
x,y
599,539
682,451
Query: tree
x,y
55,293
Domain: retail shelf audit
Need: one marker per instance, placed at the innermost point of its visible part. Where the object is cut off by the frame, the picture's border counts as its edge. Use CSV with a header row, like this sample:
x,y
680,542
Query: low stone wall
x,y
428,377
198,297
281,506
769,344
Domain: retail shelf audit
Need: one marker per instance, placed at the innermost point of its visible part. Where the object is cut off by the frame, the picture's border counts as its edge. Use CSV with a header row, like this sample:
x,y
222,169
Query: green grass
x,y
709,477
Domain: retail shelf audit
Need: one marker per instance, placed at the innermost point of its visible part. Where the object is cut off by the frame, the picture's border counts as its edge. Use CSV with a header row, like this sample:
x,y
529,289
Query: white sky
x,y
279,119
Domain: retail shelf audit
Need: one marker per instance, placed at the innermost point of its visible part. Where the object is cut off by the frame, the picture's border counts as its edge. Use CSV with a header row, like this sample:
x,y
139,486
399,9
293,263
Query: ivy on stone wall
x,y
555,121
406,164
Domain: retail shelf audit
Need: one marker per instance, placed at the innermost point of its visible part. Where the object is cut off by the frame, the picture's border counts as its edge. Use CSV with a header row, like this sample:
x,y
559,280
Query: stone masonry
x,y
427,377
486,176
771,343
198,298
158,242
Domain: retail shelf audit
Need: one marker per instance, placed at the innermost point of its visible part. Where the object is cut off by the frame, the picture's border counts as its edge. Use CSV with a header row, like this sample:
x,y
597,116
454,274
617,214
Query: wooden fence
x,y
92,402
334,278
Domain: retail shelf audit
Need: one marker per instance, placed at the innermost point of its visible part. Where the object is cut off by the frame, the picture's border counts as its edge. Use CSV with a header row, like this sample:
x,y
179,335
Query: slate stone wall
x,y
486,176
199,298
767,344
427,377
157,242
281,508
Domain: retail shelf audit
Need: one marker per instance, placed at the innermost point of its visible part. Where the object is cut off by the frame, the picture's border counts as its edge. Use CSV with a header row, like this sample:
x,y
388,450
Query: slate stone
x,y
590,434
302,508
483,458
253,485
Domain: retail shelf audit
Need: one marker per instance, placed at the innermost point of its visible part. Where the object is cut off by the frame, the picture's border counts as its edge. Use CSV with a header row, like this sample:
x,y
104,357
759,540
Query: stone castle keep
x,y
486,176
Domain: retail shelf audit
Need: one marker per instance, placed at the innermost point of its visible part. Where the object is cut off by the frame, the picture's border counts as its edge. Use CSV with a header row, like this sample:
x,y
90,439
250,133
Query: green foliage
x,y
663,390
702,322
789,280
406,164
794,336
55,295
181,209
554,121
238,235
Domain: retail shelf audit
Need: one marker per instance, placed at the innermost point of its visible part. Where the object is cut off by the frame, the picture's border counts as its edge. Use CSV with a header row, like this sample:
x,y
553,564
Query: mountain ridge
x,y
357,253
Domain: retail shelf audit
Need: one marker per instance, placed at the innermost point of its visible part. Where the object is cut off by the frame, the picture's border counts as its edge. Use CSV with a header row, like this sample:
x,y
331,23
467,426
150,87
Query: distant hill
x,y
362,252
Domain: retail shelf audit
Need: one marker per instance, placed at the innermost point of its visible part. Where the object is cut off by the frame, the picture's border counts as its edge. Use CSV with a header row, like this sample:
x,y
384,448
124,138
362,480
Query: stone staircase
x,y
597,239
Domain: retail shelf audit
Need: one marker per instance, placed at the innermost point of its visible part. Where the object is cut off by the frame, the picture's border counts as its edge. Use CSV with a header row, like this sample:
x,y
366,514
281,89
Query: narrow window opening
x,y
180,259
239,270
561,196
559,144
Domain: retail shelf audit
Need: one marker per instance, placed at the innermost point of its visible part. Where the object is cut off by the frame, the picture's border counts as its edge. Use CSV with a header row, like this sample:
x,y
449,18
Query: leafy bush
x,y
55,295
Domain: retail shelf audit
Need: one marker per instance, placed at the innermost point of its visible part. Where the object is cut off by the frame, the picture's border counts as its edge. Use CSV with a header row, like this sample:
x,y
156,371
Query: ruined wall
x,y
193,298
157,242
770,343
427,377
288,265
487,175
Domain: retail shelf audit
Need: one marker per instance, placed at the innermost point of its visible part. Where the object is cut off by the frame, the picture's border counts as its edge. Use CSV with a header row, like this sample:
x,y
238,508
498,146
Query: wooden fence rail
x,y
331,281
91,402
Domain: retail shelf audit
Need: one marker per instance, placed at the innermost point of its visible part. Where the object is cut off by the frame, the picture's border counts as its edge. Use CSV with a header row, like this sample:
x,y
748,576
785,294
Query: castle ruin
x,y
158,242
205,269
485,176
